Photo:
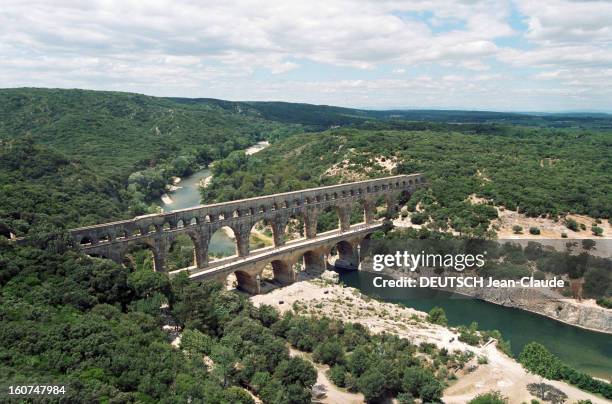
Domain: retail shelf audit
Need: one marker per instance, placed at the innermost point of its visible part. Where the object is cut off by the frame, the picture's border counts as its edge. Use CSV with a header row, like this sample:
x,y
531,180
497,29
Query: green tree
x,y
437,316
296,371
372,384
493,397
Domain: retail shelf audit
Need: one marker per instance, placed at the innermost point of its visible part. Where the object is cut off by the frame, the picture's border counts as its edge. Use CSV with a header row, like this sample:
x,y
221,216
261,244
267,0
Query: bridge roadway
x,y
314,253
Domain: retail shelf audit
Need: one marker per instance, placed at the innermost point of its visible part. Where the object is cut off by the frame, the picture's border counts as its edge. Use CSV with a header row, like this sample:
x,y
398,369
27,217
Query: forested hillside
x,y
77,157
537,171
118,131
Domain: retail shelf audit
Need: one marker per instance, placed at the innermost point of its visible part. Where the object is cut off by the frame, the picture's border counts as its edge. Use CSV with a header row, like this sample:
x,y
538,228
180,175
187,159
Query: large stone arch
x,y
283,272
198,259
347,252
261,234
158,253
225,242
248,282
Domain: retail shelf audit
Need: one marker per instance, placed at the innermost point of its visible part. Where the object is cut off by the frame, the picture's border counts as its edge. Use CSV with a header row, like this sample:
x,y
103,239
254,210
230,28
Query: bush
x,y
418,218
371,384
516,229
564,235
437,316
597,231
329,353
537,359
605,302
296,371
571,224
493,397
337,374
534,230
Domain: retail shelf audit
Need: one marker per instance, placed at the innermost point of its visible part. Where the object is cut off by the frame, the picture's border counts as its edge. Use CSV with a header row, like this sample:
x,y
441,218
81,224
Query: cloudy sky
x,y
520,55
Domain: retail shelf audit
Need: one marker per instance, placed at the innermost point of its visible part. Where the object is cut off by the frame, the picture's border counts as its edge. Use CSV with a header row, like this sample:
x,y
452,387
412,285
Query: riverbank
x,y
542,301
187,195
501,373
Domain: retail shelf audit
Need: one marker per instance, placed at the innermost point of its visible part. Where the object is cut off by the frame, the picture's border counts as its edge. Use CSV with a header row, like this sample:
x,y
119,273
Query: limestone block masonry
x,y
159,231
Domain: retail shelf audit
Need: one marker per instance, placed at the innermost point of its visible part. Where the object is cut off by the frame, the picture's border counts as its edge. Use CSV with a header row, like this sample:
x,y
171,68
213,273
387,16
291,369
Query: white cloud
x,y
211,48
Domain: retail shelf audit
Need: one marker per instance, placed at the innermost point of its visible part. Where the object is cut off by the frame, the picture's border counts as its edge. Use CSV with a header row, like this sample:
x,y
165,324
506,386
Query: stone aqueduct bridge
x,y
159,231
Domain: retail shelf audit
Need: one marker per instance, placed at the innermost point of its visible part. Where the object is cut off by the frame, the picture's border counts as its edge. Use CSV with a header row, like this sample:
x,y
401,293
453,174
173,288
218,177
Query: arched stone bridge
x,y
158,232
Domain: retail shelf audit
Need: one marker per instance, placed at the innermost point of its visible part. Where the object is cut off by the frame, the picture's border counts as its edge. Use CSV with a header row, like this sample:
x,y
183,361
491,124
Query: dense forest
x,y
74,157
539,172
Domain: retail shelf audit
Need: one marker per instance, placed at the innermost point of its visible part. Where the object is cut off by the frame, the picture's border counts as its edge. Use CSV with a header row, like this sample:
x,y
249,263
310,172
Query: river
x,y
584,350
581,349
188,196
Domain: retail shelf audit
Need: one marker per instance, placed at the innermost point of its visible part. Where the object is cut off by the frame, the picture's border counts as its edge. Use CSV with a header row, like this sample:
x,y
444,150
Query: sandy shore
x,y
348,304
167,199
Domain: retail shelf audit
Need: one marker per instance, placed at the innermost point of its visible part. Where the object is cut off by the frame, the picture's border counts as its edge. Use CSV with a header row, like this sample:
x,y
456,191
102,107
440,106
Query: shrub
x,y
534,230
493,397
605,302
516,229
571,224
371,384
418,218
437,316
405,398
337,374
329,353
564,235
597,231
537,359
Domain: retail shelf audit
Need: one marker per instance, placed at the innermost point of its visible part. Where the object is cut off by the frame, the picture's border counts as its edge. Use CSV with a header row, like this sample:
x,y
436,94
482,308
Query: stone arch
x,y
345,255
403,197
105,238
166,226
327,219
152,228
182,252
180,224
293,227
247,282
261,235
194,221
142,255
208,219
283,272
222,244
86,241
122,234
310,261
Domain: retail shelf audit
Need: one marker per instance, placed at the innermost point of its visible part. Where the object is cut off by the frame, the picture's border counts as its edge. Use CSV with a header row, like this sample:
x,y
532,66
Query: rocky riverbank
x,y
543,301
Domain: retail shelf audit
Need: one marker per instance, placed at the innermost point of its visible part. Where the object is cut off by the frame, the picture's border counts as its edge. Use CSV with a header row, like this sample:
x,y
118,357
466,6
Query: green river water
x,y
584,350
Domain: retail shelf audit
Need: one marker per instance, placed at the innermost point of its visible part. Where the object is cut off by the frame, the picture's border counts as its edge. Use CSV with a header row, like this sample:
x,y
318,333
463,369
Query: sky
x,y
520,55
